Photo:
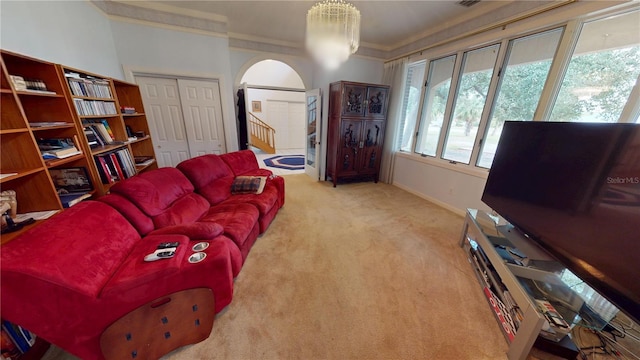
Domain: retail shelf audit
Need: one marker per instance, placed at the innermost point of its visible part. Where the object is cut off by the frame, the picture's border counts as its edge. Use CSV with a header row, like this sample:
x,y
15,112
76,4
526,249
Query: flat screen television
x,y
575,189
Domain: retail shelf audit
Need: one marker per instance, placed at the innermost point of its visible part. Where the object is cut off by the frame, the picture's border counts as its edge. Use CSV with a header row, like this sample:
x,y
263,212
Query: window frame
x,y
571,29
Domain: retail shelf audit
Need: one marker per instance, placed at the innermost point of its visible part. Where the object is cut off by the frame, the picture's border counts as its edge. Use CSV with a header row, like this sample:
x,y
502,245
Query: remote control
x,y
167,245
160,254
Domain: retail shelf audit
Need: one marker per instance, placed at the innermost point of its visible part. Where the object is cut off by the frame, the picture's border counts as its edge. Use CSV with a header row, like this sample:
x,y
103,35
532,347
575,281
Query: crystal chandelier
x,y
333,32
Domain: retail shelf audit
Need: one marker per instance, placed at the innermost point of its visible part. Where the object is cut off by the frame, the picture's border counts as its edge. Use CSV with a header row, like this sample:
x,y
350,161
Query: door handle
x,y
361,144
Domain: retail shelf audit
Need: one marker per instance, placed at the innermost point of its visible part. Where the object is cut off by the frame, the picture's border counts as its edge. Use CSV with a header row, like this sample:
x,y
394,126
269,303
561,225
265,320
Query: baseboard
x,y
461,212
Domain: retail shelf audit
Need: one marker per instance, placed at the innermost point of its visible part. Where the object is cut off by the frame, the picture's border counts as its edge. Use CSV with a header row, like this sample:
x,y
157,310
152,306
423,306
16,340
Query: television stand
x,y
519,278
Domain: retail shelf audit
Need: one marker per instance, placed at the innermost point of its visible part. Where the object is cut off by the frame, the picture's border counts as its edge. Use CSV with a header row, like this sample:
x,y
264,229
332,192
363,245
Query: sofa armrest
x,y
194,231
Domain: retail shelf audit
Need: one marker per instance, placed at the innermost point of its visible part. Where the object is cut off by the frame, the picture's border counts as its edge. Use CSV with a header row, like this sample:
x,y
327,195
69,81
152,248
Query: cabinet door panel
x,y
371,152
354,100
350,131
376,104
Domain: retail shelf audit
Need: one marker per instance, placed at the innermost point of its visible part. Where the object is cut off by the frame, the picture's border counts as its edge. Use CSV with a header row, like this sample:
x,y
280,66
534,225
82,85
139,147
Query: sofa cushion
x,y
135,216
154,191
210,175
78,249
194,231
241,162
263,201
238,220
185,210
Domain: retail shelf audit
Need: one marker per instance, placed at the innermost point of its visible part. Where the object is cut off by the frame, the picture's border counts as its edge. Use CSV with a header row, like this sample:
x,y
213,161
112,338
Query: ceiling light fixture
x,y
333,32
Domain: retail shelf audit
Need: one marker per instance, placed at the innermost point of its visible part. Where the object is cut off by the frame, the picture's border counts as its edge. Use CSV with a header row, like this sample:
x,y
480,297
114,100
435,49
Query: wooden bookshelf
x,y
129,96
32,182
119,93
27,116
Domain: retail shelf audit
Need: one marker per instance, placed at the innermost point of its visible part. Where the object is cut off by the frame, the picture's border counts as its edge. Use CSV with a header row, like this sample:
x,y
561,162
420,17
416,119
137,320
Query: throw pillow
x,y
248,185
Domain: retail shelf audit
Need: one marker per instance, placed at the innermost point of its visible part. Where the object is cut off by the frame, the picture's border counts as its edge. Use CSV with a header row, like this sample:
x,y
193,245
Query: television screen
x,y
575,189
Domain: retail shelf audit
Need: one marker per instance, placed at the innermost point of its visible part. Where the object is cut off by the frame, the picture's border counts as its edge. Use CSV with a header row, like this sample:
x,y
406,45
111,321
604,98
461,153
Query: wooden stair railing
x,y
262,135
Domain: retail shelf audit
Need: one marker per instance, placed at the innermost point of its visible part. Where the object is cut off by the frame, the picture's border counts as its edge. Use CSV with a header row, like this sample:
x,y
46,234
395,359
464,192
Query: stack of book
x,y
94,107
89,86
57,148
127,109
98,132
32,85
143,160
115,166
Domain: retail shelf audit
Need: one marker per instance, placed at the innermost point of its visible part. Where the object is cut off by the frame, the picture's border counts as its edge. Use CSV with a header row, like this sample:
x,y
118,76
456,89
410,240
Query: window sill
x,y
445,164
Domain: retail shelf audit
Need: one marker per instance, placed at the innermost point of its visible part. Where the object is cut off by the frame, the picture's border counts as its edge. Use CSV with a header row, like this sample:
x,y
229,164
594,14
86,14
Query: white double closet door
x,y
288,118
185,117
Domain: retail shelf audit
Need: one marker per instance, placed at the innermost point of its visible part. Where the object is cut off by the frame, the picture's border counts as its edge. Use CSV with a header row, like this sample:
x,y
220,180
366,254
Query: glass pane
x,y
470,100
435,103
522,79
604,68
312,106
411,103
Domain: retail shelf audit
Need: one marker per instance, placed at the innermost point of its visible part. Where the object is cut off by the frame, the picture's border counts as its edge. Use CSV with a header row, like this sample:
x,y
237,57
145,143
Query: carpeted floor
x,y
361,271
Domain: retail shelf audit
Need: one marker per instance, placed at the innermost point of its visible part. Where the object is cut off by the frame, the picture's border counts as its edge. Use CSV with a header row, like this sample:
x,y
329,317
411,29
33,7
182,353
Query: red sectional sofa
x,y
72,277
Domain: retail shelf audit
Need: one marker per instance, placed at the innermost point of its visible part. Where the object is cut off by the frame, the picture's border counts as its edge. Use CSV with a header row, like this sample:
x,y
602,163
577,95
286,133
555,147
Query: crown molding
x,y
480,9
151,13
517,10
153,5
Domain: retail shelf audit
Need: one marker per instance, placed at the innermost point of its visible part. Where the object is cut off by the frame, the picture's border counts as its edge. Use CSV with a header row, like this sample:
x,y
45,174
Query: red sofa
x,y
70,278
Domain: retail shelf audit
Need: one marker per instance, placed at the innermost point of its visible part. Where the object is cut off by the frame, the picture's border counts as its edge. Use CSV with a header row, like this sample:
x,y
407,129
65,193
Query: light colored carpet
x,y
361,271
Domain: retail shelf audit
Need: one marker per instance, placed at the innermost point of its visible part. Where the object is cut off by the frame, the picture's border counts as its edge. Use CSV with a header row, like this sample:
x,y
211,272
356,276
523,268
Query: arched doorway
x,y
274,99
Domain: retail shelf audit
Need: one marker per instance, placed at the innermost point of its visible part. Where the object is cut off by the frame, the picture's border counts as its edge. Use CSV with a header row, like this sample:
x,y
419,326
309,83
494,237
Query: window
x,y
528,61
604,68
477,70
410,104
435,102
590,74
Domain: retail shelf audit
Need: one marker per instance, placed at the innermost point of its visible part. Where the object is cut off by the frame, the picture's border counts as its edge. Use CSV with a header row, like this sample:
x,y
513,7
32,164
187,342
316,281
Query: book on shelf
x,y
128,110
143,160
101,130
57,148
29,85
21,337
48,123
115,165
94,107
18,82
103,171
68,200
89,87
72,184
92,138
6,175
9,349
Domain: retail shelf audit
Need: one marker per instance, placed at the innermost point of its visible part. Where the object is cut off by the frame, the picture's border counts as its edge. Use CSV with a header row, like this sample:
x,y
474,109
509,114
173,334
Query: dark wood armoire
x,y
357,118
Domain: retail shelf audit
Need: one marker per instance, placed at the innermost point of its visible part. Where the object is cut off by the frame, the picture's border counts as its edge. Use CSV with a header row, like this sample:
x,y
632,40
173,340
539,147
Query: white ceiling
x,y
385,24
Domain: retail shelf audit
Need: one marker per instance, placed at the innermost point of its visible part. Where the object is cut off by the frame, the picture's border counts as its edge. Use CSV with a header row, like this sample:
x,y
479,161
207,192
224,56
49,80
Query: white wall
x,y
451,189
272,73
241,60
72,33
151,49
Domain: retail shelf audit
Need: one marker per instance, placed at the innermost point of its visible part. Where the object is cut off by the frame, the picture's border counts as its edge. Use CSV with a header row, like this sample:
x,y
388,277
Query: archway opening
x,y
275,110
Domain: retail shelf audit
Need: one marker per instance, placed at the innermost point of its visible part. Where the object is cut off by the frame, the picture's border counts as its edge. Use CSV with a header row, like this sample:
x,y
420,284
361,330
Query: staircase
x,y
262,135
